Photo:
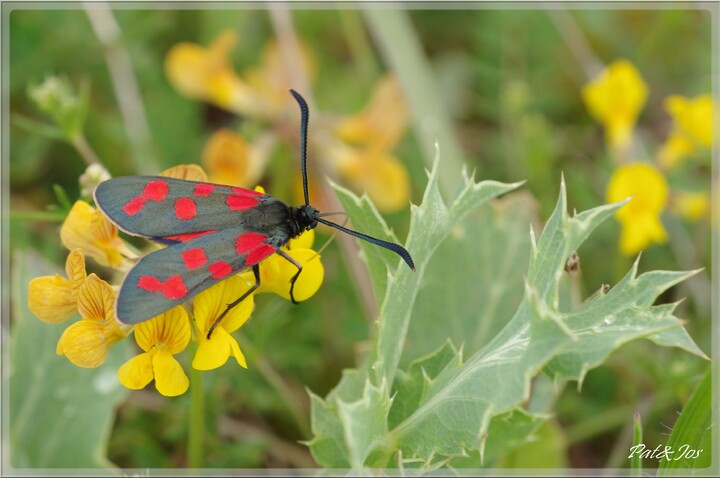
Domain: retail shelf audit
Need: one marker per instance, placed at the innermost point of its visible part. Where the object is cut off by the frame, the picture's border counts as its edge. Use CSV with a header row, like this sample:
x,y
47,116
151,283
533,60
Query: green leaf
x,y
474,312
60,415
445,407
430,225
636,459
546,447
691,438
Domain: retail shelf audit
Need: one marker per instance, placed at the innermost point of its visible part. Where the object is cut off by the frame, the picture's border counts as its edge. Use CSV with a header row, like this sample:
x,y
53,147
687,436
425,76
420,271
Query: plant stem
x,y
196,428
290,51
84,150
359,44
295,403
49,216
127,90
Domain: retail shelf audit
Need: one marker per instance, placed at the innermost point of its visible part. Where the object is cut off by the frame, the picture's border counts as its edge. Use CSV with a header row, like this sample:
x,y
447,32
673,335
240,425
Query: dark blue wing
x,y
175,210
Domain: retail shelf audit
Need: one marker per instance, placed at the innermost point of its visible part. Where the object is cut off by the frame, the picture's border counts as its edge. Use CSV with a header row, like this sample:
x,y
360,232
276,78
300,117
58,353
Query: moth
x,y
211,231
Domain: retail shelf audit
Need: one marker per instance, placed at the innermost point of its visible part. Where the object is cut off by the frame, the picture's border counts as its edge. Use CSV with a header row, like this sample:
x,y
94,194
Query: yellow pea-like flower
x,y
53,299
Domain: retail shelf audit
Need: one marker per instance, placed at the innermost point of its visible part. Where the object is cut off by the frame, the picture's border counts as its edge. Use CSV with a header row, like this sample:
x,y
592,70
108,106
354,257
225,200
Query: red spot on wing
x,y
203,189
239,202
156,190
185,208
249,240
149,283
219,269
153,191
259,253
134,205
173,288
188,236
194,258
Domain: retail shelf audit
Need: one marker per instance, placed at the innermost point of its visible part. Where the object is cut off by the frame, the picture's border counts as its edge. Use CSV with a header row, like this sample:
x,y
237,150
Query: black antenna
x,y
396,248
304,118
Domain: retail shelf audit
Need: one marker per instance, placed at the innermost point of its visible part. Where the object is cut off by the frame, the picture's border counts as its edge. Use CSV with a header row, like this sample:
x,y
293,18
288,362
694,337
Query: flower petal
x,y
692,205
186,66
637,234
226,156
137,372
615,98
303,241
676,148
75,268
276,273
382,176
171,329
206,74
52,299
644,183
96,300
213,352
382,122
84,344
191,172
640,218
694,117
170,378
269,80
88,229
209,304
237,353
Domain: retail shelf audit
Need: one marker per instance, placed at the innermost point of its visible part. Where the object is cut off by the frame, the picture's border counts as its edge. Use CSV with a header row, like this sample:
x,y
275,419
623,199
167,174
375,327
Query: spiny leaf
x,y
444,408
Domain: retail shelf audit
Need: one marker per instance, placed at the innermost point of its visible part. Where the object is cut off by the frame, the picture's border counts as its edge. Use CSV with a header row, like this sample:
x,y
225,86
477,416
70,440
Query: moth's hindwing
x,y
165,278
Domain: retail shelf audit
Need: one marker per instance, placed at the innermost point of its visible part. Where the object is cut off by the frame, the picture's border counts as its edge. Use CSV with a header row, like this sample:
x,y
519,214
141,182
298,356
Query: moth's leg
x,y
256,272
289,258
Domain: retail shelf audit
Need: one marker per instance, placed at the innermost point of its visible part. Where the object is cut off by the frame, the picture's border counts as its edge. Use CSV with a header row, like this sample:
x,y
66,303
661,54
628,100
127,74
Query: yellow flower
x,y
694,117
231,160
363,157
190,172
208,306
207,74
692,205
615,98
160,337
227,156
382,122
692,128
53,299
640,218
381,175
88,229
276,271
271,78
86,342
674,150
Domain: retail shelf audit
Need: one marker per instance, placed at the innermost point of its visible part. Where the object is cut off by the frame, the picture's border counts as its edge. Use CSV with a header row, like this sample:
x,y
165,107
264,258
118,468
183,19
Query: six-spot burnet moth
x,y
211,232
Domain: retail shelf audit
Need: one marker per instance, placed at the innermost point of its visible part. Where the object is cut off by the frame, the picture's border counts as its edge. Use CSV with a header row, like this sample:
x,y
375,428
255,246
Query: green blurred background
x,y
509,80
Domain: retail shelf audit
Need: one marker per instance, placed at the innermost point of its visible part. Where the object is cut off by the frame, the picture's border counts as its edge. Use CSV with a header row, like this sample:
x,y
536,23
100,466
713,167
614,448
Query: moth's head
x,y
307,217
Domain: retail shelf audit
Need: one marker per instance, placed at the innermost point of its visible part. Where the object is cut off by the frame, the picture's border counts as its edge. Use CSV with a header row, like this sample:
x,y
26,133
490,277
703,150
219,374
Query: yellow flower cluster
x,y
356,148
86,232
615,98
